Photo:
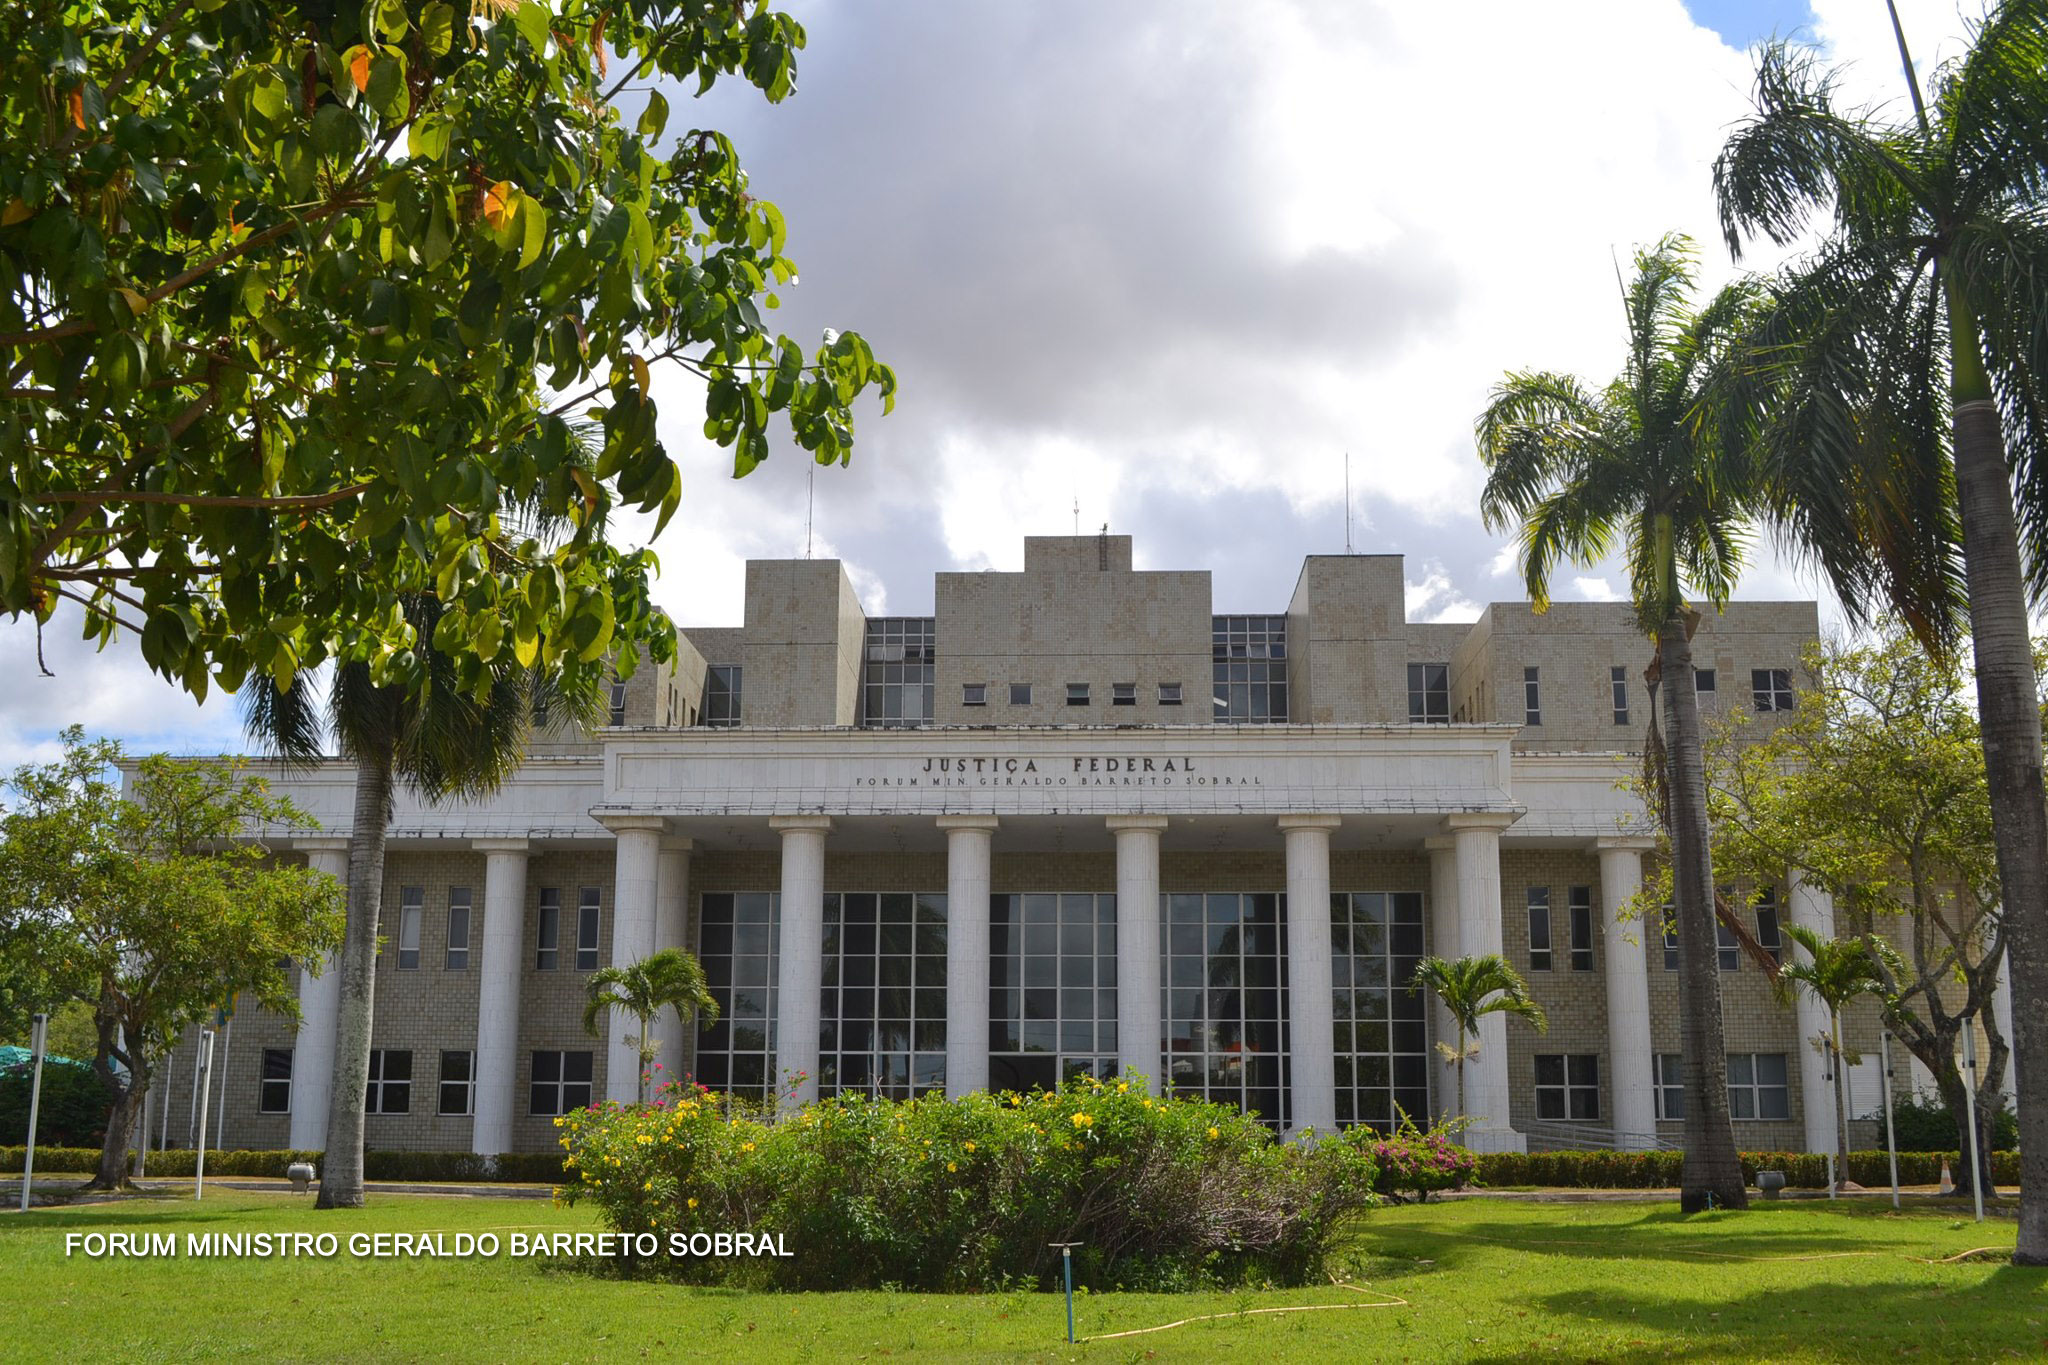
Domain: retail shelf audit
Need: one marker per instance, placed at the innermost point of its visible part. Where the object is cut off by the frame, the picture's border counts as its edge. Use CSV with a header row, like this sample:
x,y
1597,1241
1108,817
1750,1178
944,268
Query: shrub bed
x,y
945,1194
1660,1170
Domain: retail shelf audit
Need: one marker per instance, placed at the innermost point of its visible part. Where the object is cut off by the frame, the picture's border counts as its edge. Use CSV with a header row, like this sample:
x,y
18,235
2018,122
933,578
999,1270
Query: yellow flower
x,y
693,1201
1214,1134
952,1166
558,1123
648,1186
1148,1103
970,1145
643,1139
746,1146
1123,1087
1082,1120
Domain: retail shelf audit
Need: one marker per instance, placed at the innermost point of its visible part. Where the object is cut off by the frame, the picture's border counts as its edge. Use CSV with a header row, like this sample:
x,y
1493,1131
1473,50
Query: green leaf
x,y
427,138
533,229
654,118
387,93
437,28
531,18
335,132
392,20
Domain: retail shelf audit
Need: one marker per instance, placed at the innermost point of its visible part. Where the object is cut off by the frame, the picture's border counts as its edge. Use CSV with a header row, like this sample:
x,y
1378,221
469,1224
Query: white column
x,y
800,957
1631,1074
1443,943
969,839
639,855
672,930
497,1000
1311,1027
1140,1038
1476,847
319,1015
1815,908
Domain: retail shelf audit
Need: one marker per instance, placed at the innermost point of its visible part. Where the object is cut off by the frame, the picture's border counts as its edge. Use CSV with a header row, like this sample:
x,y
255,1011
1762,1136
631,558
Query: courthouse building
x,y
1073,821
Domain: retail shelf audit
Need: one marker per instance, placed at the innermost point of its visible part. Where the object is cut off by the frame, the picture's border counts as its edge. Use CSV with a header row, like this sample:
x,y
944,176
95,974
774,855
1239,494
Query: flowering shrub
x,y
934,1193
1416,1161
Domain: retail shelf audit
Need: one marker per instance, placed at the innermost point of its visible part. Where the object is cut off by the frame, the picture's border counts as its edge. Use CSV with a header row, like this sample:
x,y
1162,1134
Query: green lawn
x,y
1480,1280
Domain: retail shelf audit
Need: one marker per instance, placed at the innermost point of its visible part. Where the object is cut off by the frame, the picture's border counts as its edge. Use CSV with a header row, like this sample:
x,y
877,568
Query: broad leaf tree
x,y
155,907
294,298
1906,392
1833,971
1639,466
1874,791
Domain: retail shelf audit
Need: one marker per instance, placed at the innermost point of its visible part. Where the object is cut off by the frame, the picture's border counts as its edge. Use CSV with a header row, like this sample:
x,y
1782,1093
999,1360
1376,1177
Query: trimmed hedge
x,y
536,1168
1660,1170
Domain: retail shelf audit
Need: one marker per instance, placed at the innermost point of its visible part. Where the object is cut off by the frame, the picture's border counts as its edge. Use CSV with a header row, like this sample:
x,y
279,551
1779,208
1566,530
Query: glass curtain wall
x,y
1224,1001
1052,989
1382,1047
882,1027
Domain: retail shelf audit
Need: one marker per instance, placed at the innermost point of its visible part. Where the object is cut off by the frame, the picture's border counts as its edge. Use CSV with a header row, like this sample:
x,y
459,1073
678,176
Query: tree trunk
x,y
113,1168
1952,1085
341,1166
1712,1174
2009,711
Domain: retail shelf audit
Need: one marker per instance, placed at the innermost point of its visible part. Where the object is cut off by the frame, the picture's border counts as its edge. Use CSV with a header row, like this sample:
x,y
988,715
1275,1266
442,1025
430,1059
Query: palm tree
x,y
1639,465
1469,988
1835,971
439,740
1905,387
669,979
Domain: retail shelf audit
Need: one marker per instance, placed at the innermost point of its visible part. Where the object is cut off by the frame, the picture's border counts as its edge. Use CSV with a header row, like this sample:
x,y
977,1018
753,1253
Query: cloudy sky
x,y
1170,260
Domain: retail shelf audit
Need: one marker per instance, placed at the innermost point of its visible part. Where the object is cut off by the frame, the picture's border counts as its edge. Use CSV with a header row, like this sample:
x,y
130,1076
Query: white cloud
x,y
1436,598
1595,589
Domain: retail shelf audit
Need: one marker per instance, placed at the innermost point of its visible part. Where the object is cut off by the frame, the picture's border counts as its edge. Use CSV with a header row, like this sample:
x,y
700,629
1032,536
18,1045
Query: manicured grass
x,y
1482,1280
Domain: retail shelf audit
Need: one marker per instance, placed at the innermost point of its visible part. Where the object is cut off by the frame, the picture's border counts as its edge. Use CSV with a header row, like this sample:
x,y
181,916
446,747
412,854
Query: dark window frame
x,y
461,920
269,1081
589,927
387,1093
1574,1095
547,936
1579,909
1617,681
562,1090
1541,954
464,1085
1429,693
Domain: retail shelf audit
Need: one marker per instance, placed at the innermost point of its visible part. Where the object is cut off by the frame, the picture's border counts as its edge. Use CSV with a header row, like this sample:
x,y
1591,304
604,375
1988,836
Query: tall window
x,y
1756,1086
458,928
1767,935
736,944
586,929
1567,1086
1728,947
897,678
274,1091
1617,681
1226,1001
721,696
548,938
1670,1079
883,1014
618,716
1771,688
1704,685
560,1082
1382,1059
1052,989
412,902
1539,928
1249,663
1429,694
1670,939
1532,697
458,1083
390,1088
1581,908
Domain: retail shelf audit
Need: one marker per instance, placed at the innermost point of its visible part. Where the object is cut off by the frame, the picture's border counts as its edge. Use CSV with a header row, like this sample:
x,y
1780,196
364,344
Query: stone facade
x,y
1352,790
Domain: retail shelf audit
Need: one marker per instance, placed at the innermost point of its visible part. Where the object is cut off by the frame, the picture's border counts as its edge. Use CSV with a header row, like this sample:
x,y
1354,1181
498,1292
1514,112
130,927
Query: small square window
x,y
1771,688
586,930
458,928
390,1087
1020,694
1703,684
1123,694
548,940
412,904
974,694
1077,694
1169,694
275,1096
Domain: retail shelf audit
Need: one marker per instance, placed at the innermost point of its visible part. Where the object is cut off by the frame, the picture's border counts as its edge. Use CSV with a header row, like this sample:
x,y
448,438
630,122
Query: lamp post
x,y
1970,1107
205,1089
1891,1141
35,1101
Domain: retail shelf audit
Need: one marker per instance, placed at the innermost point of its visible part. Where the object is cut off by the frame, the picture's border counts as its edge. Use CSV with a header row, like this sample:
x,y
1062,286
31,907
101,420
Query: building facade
x,y
1073,821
